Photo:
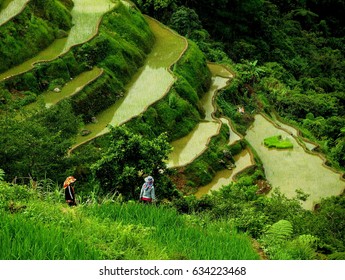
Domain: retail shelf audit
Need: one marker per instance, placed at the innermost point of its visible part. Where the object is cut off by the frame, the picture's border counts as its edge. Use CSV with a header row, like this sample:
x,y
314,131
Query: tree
x,y
185,20
128,158
251,72
160,9
36,146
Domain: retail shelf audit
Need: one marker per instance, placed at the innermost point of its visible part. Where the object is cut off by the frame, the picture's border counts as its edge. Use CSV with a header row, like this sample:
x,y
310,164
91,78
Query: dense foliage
x,y
128,156
303,235
287,56
290,53
47,135
35,224
35,146
31,31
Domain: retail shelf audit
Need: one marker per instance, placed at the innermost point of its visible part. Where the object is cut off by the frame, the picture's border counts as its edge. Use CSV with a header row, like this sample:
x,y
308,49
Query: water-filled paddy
x,y
294,168
225,177
234,136
86,17
189,147
10,8
50,98
186,149
294,131
149,84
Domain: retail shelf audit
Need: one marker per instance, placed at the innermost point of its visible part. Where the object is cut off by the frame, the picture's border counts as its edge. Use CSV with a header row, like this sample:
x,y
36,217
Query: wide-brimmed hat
x,y
69,180
149,179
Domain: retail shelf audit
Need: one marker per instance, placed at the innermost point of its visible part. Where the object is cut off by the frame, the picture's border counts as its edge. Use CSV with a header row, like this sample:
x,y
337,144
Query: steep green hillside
x,y
37,141
119,49
32,30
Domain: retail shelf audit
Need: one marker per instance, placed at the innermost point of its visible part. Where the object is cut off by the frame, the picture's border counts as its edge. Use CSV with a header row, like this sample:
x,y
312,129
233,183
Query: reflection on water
x,y
147,86
86,17
294,168
50,98
207,99
294,131
234,136
186,149
47,54
225,177
220,70
11,9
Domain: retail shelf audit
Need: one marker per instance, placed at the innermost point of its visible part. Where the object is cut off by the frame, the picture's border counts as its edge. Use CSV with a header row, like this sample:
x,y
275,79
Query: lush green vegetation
x,y
119,49
284,229
128,155
106,227
36,225
31,31
35,146
288,57
277,142
179,112
217,156
119,54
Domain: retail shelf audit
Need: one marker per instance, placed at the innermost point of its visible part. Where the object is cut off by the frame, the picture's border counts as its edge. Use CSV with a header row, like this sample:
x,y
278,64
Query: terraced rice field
x,y
11,8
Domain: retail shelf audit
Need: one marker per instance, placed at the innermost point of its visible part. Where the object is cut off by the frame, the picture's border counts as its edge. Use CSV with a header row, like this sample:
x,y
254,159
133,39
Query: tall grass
x,y
37,224
22,239
182,237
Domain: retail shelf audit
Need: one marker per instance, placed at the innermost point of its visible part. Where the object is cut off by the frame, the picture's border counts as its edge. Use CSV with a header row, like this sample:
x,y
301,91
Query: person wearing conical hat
x,y
69,190
147,193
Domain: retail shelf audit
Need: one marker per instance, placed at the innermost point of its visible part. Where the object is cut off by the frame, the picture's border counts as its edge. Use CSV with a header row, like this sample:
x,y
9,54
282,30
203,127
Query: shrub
x,y
277,142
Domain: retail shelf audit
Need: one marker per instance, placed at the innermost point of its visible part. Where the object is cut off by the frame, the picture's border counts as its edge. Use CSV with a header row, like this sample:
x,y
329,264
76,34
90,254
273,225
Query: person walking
x,y
147,193
69,190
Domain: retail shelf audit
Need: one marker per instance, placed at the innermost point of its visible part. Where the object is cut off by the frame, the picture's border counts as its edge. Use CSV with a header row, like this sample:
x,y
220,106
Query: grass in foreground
x,y
37,229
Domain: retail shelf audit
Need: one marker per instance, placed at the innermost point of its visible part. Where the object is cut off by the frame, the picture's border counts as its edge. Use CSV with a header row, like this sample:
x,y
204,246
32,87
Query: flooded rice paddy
x,y
149,84
186,149
226,176
11,8
295,168
87,15
50,98
285,169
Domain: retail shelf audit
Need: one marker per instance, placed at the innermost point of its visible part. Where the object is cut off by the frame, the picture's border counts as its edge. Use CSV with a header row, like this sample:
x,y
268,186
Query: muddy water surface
x,y
86,17
149,84
10,8
225,177
293,169
186,149
50,98
234,136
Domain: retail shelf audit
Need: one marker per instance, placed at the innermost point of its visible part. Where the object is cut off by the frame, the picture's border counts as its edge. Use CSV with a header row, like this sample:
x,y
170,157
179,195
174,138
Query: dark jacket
x,y
69,195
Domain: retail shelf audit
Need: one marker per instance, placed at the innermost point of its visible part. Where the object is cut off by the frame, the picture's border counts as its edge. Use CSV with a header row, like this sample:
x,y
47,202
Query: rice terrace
x,y
172,130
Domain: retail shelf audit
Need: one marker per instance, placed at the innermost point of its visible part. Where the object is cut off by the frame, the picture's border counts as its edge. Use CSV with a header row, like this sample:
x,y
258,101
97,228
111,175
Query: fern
x,y
280,231
308,239
337,256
